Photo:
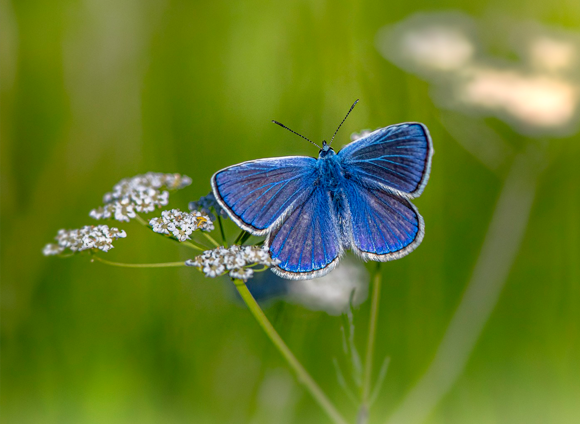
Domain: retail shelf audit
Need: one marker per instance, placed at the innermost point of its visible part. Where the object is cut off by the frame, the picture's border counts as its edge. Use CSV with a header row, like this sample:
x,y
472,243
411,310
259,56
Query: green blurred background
x,y
99,90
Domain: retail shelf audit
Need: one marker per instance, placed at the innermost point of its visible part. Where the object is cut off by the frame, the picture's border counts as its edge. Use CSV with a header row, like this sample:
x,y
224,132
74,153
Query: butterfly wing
x,y
307,243
258,193
396,158
384,226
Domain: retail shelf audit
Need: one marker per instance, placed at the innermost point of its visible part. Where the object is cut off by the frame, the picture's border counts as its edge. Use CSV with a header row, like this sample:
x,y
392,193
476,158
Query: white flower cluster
x,y
181,224
139,194
205,205
90,237
236,260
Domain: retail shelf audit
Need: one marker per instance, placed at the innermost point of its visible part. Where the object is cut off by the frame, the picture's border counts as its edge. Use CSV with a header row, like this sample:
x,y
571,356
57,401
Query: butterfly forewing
x,y
397,158
258,193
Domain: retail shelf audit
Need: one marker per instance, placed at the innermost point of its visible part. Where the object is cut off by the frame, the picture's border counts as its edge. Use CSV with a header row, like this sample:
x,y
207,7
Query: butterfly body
x,y
312,210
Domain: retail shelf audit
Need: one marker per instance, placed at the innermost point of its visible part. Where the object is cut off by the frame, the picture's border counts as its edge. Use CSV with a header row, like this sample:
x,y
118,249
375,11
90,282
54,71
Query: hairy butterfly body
x,y
312,210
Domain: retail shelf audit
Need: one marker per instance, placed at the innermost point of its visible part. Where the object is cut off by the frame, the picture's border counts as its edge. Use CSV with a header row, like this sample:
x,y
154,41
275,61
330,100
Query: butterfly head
x,y
326,151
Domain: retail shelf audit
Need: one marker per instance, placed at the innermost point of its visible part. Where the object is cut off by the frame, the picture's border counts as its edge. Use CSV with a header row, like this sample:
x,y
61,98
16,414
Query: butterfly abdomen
x,y
332,176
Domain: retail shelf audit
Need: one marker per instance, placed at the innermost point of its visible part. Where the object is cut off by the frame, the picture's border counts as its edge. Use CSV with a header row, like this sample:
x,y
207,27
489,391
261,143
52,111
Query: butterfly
x,y
312,210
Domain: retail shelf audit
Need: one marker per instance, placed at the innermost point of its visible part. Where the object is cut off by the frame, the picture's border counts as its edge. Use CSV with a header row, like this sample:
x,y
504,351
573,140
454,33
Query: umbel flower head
x,y
181,224
142,193
90,237
208,205
235,260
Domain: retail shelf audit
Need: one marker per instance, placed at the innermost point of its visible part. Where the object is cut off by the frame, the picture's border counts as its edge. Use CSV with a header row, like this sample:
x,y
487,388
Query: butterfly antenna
x,y
300,135
349,111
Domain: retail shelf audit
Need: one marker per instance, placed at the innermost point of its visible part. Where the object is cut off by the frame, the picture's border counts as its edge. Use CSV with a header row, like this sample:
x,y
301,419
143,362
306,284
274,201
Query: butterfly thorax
x,y
330,171
331,179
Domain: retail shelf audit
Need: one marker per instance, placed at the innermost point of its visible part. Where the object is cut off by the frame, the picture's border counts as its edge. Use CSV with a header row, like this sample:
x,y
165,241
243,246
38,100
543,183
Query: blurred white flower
x,y
181,224
540,94
242,273
236,260
552,54
429,43
142,193
52,249
332,292
89,237
213,269
532,100
103,212
208,204
124,210
553,50
438,47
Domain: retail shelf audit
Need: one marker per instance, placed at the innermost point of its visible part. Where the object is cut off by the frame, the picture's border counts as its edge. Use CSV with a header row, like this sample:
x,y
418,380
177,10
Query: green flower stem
x,y
368,367
161,265
221,225
210,238
239,237
141,220
275,338
193,246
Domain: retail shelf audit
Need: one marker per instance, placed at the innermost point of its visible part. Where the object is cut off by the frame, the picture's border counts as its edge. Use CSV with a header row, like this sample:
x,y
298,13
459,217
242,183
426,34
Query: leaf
x,y
380,380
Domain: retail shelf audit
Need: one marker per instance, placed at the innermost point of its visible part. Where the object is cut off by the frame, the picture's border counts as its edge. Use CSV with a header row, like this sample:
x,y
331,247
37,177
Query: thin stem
x,y
239,237
221,225
141,220
211,239
245,238
192,245
368,369
275,338
160,265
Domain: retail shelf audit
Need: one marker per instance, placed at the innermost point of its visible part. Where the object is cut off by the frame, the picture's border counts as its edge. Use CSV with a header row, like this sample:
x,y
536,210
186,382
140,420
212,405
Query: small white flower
x,y
52,249
183,233
116,233
263,256
102,212
180,224
170,214
144,205
235,259
213,269
193,262
142,193
249,255
242,273
161,198
124,210
159,225
103,243
89,237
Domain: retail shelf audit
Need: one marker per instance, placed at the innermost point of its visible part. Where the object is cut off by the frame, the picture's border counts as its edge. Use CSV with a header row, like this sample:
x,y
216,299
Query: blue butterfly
x,y
312,210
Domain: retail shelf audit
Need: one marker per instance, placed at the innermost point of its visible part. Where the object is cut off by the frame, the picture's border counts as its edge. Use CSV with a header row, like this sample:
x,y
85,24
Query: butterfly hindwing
x,y
258,193
307,243
396,158
384,226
